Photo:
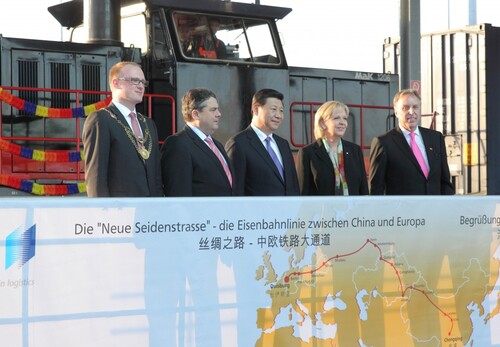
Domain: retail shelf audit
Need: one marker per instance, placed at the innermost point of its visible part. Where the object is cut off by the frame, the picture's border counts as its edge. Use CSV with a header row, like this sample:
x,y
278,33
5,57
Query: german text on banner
x,y
263,272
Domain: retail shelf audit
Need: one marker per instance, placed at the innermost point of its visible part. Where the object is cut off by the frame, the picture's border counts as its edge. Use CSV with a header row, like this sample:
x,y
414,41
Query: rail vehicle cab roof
x,y
245,33
223,7
70,14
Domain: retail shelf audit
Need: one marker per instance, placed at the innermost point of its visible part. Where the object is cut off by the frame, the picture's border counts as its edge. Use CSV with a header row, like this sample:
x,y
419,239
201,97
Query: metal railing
x,y
11,164
312,106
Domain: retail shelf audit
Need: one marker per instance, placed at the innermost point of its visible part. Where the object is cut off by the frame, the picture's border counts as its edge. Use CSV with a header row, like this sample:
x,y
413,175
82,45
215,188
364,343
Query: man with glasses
x,y
409,159
120,145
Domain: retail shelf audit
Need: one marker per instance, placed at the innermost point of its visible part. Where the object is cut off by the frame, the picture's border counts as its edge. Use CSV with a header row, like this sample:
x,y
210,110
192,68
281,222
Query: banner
x,y
333,271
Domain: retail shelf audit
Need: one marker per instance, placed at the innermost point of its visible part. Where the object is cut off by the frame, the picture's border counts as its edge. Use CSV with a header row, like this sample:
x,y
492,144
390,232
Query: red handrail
x,y
77,140
312,104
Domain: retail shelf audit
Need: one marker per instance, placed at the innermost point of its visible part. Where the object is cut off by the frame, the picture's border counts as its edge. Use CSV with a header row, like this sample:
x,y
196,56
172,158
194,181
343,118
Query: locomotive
x,y
49,87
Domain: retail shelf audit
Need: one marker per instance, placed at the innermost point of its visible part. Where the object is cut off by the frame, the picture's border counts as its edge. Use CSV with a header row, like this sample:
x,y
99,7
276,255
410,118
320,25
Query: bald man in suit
x,y
395,169
256,172
121,162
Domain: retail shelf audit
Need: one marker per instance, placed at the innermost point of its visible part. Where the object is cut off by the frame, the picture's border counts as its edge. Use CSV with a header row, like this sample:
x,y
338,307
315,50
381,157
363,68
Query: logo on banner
x,y
20,246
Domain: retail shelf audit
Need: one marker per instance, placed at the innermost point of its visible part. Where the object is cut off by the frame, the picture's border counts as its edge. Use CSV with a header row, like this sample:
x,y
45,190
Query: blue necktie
x,y
274,157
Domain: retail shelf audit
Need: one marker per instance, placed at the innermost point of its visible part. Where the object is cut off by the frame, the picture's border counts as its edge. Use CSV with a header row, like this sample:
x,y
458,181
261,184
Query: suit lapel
x,y
200,144
429,147
207,150
140,119
348,160
223,153
320,151
145,130
255,142
124,123
400,141
120,117
283,148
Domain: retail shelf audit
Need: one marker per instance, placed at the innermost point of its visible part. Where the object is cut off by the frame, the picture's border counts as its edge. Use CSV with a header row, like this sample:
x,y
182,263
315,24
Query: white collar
x,y
124,110
260,134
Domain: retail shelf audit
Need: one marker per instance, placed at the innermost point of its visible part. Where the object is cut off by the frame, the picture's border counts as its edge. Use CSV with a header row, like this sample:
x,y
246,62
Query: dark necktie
x,y
273,155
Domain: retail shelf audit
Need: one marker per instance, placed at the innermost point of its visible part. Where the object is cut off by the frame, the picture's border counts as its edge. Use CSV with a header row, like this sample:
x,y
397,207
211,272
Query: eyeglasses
x,y
134,81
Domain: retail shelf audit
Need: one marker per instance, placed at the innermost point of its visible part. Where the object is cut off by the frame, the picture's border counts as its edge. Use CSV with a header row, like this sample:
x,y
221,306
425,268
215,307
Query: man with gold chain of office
x,y
120,144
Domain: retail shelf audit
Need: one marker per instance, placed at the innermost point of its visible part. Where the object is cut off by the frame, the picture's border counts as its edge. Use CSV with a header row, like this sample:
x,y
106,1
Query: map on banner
x,y
383,291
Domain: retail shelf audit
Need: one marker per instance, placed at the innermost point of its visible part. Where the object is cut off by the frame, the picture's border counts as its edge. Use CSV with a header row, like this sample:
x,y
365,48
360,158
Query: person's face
x,y
336,125
126,92
407,110
214,26
270,115
207,118
183,33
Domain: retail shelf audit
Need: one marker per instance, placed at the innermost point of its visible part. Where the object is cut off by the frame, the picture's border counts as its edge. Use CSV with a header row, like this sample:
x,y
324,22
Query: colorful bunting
x,y
49,112
38,155
47,156
42,189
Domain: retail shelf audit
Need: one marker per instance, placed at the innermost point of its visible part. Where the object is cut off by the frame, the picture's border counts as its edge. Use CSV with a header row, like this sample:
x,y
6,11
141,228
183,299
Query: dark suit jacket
x,y
255,172
394,170
316,173
191,168
112,165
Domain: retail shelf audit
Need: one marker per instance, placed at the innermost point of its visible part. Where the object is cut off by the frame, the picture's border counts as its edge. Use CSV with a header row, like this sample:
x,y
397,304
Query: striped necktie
x,y
218,154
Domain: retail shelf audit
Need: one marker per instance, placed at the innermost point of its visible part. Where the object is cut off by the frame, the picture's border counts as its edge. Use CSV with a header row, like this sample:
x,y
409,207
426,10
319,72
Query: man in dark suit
x,y
400,165
195,164
263,162
263,166
120,145
190,167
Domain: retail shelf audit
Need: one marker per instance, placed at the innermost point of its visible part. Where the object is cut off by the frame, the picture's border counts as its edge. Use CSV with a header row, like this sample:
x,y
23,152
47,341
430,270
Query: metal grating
x,y
91,80
60,79
28,77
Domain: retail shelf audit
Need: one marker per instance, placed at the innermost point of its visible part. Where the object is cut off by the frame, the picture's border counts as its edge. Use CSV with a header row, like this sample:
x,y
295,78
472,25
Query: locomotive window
x,y
160,47
225,39
255,42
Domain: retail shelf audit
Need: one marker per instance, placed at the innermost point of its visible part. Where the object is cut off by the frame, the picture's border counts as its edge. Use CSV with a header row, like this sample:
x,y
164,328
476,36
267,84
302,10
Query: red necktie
x,y
135,125
418,154
214,149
